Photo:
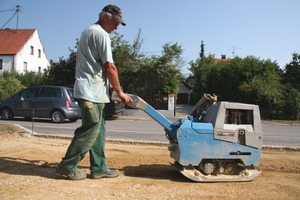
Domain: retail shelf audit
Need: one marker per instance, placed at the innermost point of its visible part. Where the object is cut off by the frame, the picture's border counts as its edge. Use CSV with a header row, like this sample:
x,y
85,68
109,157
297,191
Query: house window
x,y
1,64
25,67
39,53
31,50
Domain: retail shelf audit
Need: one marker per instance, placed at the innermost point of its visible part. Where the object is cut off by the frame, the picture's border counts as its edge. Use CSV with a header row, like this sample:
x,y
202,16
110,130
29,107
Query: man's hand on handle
x,y
124,97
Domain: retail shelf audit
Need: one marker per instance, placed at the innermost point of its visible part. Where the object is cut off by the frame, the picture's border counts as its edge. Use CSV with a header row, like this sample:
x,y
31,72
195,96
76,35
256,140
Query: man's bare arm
x,y
113,77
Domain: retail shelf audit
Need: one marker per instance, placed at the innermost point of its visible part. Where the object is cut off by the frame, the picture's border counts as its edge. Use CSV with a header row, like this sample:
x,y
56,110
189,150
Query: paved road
x,y
281,134
149,130
118,129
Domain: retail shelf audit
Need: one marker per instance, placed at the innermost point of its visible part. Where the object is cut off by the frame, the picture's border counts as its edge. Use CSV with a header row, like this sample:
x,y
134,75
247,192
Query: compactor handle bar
x,y
139,103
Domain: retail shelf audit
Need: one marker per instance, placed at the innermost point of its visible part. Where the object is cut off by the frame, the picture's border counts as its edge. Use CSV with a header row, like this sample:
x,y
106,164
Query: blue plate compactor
x,y
218,142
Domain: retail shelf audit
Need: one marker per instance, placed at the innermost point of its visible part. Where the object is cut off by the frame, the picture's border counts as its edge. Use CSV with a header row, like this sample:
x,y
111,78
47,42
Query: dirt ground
x,y
27,171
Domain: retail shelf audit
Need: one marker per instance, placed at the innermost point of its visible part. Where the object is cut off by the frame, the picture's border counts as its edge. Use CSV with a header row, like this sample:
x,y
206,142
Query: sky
x,y
266,29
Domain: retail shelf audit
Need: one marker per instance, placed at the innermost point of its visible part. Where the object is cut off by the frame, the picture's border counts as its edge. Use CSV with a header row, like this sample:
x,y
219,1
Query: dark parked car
x,y
46,101
114,107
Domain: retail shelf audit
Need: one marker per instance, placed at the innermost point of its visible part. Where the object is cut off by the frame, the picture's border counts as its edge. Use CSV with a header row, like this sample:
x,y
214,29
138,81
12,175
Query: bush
x,y
13,82
291,105
9,86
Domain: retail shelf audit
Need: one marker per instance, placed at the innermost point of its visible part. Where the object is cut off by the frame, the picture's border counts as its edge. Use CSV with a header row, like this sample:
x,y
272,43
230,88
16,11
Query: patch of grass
x,y
7,128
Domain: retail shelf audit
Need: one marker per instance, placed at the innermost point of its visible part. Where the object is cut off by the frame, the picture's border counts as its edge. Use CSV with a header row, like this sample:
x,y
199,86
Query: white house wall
x,y
33,61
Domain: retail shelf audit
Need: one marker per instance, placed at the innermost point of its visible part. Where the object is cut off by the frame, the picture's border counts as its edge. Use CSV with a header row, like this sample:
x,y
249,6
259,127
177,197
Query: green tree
x,y
291,89
292,72
157,74
263,87
202,49
248,80
161,74
199,69
138,74
128,60
63,71
290,107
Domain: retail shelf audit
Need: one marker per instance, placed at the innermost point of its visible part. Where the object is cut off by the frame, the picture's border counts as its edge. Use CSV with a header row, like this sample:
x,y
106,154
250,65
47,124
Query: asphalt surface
x,y
144,128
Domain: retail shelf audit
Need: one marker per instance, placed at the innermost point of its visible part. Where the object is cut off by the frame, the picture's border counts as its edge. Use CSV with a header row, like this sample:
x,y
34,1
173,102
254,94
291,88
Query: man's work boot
x,y
110,173
78,175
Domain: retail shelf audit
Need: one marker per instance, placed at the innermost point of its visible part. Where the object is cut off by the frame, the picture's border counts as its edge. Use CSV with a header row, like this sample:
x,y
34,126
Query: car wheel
x,y
6,114
57,116
73,119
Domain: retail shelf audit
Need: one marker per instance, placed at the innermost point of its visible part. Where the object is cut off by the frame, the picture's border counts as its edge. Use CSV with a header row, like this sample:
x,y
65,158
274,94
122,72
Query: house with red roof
x,y
21,50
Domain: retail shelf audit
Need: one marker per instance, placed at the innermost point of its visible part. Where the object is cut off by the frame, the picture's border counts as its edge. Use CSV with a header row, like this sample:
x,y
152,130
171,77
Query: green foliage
x,y
147,75
163,72
138,74
62,72
250,80
9,85
291,103
26,79
30,78
4,128
127,58
200,69
247,80
13,82
292,72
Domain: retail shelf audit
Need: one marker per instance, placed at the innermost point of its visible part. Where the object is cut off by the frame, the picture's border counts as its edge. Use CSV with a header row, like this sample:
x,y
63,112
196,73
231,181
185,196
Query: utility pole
x,y
17,10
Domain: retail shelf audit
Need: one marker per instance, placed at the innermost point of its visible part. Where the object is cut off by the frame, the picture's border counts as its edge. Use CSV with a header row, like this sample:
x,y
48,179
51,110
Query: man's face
x,y
111,25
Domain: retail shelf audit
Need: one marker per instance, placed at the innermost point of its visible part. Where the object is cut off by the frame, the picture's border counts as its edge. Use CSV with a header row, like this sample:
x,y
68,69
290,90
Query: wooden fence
x,y
158,102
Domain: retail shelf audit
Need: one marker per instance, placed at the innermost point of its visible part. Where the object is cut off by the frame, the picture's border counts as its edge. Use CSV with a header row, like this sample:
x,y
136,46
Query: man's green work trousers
x,y
90,136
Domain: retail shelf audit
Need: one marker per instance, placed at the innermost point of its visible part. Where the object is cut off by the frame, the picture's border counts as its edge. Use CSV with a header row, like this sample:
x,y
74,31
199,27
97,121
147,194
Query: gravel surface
x,y
27,171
